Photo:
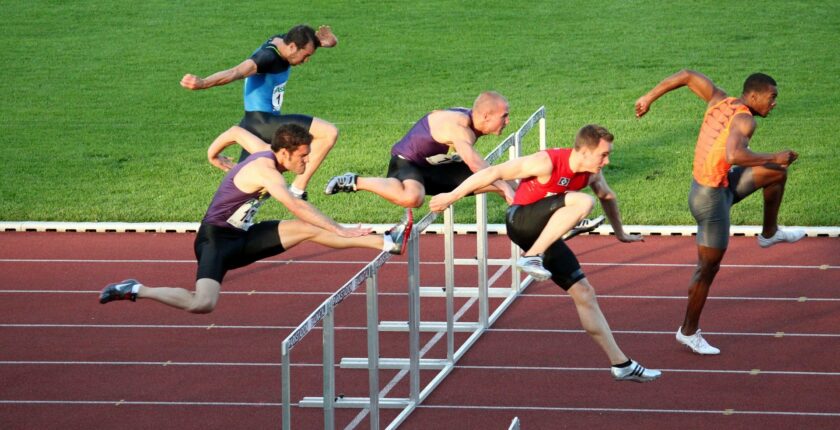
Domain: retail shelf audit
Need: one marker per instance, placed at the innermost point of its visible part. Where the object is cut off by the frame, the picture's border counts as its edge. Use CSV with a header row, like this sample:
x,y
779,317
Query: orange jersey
x,y
710,166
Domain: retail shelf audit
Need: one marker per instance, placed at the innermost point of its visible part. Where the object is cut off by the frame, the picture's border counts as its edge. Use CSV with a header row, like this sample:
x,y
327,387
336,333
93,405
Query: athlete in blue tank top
x,y
266,73
436,155
228,238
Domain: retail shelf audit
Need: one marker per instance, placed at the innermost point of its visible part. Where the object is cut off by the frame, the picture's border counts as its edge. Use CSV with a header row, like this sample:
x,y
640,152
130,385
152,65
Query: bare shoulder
x,y
449,126
448,118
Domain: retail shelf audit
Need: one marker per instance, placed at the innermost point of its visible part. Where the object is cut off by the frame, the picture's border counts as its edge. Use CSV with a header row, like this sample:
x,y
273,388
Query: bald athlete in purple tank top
x,y
436,155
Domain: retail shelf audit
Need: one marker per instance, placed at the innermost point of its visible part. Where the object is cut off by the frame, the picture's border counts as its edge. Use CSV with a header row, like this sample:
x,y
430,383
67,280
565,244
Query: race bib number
x,y
434,160
243,218
277,97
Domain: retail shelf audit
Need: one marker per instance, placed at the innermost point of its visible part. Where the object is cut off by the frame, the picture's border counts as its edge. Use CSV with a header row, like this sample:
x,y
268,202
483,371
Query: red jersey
x,y
562,180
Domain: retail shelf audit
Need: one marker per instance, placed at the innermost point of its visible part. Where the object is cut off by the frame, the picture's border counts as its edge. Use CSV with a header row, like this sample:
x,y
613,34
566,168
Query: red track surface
x,y
68,362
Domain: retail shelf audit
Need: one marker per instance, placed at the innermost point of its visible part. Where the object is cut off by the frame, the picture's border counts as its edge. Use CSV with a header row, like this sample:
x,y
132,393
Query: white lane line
x,y
361,328
293,261
631,410
122,402
383,393
525,295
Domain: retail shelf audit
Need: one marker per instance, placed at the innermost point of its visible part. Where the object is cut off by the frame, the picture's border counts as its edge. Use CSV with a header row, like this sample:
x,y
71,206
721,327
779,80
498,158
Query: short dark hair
x,y
589,136
301,35
758,82
290,137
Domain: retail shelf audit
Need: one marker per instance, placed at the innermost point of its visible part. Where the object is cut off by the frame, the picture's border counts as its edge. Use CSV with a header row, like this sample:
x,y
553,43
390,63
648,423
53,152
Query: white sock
x,y
295,190
135,288
388,242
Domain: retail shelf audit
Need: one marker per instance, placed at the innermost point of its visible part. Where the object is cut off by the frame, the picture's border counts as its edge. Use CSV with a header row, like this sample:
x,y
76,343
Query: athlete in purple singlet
x,y
228,237
436,155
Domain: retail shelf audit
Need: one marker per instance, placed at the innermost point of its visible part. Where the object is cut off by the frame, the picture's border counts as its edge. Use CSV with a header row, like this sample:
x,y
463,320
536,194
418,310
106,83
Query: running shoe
x,y
345,183
789,235
400,233
634,372
119,291
584,226
533,266
696,343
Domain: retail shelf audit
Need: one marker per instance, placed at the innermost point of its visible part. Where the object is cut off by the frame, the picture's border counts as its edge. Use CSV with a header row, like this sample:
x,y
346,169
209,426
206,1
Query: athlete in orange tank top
x,y
723,143
710,165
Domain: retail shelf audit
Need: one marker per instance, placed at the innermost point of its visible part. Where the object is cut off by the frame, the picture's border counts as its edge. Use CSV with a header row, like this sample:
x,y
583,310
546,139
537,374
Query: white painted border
x,y
192,227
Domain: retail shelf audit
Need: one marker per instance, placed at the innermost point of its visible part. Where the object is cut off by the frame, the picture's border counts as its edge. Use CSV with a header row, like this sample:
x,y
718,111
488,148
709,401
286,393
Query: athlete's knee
x,y
583,202
409,199
202,306
707,269
205,296
325,133
583,294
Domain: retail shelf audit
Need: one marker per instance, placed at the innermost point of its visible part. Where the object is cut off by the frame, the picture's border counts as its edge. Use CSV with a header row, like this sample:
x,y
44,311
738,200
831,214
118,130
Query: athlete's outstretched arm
x,y
241,71
695,81
273,182
538,164
235,134
463,140
610,204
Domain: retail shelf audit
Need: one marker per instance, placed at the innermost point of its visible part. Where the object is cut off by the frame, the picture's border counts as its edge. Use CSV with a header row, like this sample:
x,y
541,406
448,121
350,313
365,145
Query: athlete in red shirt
x,y
547,205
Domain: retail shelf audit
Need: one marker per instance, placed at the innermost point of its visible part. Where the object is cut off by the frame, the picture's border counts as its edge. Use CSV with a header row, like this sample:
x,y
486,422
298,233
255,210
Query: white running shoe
x,y
584,226
696,343
533,266
789,235
345,183
634,372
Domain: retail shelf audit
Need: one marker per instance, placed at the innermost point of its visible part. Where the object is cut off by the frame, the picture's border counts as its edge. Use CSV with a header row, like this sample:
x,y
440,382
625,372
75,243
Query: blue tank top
x,y
263,91
231,207
419,147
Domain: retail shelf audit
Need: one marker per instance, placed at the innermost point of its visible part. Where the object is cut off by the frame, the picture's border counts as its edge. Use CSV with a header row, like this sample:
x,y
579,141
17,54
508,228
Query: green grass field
x,y
96,127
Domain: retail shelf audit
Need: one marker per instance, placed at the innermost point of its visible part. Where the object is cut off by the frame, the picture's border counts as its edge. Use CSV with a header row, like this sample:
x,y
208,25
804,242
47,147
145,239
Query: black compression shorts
x,y
219,249
264,124
440,178
524,225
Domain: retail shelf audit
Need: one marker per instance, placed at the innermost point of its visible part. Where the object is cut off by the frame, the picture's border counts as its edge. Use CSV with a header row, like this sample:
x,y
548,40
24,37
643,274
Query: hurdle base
x,y
429,326
355,402
394,363
464,292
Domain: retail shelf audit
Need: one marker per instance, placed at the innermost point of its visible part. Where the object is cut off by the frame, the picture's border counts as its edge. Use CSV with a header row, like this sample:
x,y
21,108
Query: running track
x,y
67,362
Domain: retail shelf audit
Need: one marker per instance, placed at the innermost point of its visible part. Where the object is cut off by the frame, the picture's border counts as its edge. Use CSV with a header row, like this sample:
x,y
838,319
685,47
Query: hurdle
x,y
414,363
325,313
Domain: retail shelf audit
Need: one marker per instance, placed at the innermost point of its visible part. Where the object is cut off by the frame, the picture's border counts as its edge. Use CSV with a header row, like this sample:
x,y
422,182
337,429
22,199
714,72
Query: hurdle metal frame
x,y
325,313
414,363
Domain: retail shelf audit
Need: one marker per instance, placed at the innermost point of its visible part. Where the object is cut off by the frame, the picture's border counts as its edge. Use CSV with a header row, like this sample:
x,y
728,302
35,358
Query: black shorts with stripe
x,y
219,249
440,178
264,125
524,225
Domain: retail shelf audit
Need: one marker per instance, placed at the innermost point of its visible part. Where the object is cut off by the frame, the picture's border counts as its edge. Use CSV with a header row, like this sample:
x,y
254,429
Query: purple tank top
x,y
418,145
231,207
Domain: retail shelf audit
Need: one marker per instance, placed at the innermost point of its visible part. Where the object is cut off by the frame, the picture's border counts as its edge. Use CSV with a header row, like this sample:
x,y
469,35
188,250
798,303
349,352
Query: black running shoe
x,y
401,232
119,291
584,226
